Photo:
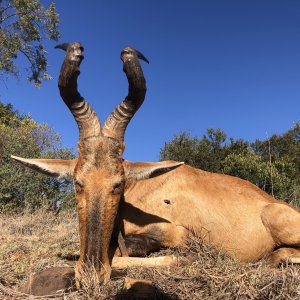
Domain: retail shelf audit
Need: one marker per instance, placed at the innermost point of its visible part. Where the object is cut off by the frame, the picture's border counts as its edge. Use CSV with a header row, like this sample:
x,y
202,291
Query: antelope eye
x,y
117,188
78,185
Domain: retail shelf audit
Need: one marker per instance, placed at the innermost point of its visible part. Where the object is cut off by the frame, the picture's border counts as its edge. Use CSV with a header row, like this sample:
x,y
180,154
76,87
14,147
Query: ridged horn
x,y
86,118
116,123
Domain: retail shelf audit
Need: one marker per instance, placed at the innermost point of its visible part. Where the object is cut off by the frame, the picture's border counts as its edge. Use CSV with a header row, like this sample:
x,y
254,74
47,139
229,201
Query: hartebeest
x,y
158,203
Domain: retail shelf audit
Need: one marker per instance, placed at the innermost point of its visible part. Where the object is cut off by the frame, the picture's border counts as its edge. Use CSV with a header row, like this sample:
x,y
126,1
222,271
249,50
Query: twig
x,y
270,162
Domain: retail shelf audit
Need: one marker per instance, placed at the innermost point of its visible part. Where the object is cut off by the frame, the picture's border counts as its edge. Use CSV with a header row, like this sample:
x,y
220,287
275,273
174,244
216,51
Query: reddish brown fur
x,y
99,181
230,213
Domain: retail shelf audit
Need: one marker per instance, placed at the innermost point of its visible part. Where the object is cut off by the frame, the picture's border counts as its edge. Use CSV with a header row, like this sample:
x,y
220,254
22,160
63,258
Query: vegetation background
x,y
22,189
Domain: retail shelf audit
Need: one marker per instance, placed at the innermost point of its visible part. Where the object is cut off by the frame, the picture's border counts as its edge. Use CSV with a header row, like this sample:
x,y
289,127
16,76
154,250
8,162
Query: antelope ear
x,y
58,168
145,170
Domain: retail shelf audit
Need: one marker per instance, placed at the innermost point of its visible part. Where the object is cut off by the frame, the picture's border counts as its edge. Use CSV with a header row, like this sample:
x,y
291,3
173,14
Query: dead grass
x,y
31,243
215,276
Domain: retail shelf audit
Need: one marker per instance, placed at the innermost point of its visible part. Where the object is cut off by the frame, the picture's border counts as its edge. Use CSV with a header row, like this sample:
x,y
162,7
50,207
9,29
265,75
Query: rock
x,y
50,281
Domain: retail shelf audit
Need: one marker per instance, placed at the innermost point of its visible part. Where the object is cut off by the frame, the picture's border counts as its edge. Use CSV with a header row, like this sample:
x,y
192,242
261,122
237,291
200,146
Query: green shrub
x,y
20,187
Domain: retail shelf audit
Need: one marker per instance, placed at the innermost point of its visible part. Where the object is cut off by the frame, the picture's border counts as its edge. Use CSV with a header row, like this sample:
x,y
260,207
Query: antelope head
x,y
99,173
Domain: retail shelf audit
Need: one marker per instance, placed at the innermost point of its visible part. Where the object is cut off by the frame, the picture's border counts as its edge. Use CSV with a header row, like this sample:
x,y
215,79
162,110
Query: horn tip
x,y
141,56
129,50
63,46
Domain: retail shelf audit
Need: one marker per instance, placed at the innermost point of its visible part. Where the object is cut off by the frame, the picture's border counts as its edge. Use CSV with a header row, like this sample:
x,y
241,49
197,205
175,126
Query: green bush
x,y
272,164
272,177
21,188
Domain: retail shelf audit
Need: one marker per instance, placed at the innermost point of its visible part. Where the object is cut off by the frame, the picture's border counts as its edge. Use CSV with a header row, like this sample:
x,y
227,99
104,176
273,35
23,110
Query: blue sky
x,y
231,64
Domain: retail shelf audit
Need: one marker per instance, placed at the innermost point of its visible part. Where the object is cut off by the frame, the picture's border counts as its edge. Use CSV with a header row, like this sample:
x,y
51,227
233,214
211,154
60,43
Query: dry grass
x,y
31,243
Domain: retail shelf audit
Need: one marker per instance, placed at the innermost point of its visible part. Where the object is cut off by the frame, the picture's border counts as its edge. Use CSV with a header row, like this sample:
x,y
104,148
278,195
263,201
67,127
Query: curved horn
x,y
86,118
116,123
62,46
141,56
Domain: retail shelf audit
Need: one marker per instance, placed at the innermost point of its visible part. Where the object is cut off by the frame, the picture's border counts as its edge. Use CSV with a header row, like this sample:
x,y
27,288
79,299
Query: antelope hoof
x,y
139,289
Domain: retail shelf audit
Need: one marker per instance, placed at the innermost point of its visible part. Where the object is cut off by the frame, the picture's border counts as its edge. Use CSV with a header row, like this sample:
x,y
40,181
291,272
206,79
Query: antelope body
x,y
230,213
157,204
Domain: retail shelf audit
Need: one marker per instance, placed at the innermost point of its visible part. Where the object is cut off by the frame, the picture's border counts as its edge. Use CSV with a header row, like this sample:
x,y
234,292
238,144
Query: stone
x,y
50,282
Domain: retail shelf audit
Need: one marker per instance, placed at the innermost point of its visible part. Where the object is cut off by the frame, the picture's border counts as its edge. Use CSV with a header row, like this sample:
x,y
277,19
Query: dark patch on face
x,y
94,227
